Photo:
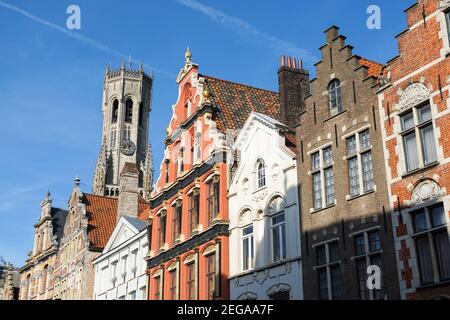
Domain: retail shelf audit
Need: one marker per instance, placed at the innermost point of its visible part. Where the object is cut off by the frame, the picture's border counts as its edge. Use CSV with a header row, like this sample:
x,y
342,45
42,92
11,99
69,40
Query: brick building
x,y
414,107
343,194
189,251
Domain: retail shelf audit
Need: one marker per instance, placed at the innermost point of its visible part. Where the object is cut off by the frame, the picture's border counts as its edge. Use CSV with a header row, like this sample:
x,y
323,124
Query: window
x,y
173,294
180,160
213,199
115,111
190,281
247,248
322,171
328,271
129,111
194,211
113,139
418,138
360,166
211,276
166,163
162,229
124,265
432,244
261,174
134,255
176,220
447,18
141,114
279,237
335,97
157,290
132,295
114,271
197,147
143,293
368,253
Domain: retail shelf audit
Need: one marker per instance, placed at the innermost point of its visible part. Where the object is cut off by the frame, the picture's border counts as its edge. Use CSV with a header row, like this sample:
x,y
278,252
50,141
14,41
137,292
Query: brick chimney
x,y
129,191
293,84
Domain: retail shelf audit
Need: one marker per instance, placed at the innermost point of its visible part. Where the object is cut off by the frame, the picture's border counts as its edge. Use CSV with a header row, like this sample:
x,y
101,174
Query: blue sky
x,y
51,80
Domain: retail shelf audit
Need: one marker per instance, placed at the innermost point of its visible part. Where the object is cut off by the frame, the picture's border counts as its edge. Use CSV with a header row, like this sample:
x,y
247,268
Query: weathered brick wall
x,y
423,60
319,128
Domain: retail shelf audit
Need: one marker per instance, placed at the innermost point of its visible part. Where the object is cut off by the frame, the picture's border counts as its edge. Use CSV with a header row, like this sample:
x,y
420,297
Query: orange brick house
x,y
188,227
414,107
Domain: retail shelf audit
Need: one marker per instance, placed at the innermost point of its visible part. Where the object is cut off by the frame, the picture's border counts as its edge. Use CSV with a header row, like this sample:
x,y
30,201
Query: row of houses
x,y
267,195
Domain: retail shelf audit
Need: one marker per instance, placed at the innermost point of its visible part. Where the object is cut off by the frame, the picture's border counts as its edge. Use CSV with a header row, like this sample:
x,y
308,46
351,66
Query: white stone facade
x,y
264,192
120,270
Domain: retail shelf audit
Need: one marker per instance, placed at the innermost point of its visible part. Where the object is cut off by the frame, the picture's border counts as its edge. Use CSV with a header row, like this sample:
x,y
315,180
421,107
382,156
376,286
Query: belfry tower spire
x,y
127,95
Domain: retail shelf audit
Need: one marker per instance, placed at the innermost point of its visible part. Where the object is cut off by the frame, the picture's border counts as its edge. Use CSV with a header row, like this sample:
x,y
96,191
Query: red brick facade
x,y
418,181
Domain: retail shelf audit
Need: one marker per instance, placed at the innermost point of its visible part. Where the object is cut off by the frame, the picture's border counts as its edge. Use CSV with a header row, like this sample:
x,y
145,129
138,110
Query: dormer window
x,y
129,111
115,111
335,97
261,170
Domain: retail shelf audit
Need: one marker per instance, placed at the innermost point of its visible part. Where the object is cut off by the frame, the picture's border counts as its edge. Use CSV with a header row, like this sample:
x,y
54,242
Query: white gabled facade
x,y
265,249
120,270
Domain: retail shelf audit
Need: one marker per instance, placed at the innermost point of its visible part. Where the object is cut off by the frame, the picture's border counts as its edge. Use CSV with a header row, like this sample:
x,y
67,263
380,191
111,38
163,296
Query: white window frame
x,y
321,172
261,174
282,240
251,248
417,131
358,155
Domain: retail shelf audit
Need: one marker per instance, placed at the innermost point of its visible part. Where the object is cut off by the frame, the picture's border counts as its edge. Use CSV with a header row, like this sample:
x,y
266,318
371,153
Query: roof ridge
x,y
239,83
373,61
97,196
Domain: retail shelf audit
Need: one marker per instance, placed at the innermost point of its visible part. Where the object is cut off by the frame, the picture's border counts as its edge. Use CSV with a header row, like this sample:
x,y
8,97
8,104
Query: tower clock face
x,y
127,147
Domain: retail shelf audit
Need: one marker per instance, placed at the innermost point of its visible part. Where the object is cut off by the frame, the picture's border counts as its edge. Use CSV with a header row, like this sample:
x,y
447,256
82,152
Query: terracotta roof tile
x,y
102,215
237,101
374,67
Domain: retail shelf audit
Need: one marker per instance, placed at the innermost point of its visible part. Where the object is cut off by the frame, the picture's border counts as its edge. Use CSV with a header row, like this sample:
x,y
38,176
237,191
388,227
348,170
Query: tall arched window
x,y
141,114
44,280
335,96
115,111
261,170
129,111
278,221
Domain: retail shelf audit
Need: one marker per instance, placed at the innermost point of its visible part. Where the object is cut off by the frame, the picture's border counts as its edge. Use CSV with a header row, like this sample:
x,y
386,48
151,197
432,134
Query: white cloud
x,y
248,31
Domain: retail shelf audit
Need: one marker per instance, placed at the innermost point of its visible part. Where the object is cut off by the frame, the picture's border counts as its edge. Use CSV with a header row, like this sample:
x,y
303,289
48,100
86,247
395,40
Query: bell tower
x,y
127,95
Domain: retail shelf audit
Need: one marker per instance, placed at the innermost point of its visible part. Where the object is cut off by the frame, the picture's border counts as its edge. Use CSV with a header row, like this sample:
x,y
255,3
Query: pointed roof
x,y
237,101
102,215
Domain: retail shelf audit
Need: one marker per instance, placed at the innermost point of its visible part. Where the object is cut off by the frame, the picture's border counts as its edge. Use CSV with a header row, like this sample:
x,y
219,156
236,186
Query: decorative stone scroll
x,y
414,95
427,190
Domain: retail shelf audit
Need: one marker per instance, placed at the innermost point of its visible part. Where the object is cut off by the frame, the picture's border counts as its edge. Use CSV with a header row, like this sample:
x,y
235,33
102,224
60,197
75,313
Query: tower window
x,y
129,111
141,114
335,96
115,111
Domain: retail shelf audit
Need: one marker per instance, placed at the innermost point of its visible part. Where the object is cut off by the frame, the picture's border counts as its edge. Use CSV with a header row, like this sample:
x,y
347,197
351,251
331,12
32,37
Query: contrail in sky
x,y
86,40
248,31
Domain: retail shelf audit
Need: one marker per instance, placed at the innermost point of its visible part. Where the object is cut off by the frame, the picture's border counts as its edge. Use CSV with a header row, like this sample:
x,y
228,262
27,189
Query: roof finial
x,y
108,68
188,55
141,67
77,181
123,64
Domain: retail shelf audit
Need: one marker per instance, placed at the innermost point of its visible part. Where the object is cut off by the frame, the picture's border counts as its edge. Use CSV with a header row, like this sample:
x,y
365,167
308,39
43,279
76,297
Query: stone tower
x,y
126,107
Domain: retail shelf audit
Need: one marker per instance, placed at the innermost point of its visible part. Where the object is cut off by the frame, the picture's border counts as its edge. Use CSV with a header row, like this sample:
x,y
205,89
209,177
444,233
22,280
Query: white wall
x,y
260,141
127,280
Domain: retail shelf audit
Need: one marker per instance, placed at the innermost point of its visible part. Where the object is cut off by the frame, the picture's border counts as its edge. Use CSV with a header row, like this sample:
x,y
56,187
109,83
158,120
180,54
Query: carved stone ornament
x,y
426,191
414,95
245,218
444,4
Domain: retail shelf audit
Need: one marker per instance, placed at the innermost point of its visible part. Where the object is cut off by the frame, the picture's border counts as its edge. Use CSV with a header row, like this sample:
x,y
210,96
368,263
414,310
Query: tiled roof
x,y
237,101
374,67
102,215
